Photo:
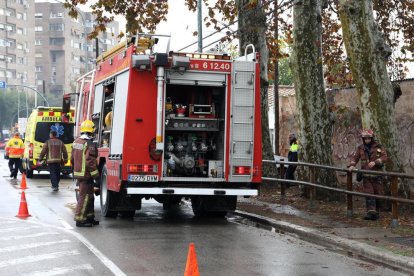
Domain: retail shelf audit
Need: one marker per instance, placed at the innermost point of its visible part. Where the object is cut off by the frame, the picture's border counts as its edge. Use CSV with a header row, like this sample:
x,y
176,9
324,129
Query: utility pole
x,y
276,81
200,26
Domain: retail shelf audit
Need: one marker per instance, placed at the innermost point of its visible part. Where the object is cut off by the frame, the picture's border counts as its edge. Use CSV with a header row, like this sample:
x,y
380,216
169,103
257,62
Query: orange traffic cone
x,y
23,184
23,211
191,268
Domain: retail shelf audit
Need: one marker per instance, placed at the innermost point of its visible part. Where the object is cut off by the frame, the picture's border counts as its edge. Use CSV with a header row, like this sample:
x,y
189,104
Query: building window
x,y
57,41
53,57
38,42
38,55
20,15
56,27
39,82
39,69
10,12
20,60
19,46
10,74
2,74
10,28
38,28
39,15
56,15
19,31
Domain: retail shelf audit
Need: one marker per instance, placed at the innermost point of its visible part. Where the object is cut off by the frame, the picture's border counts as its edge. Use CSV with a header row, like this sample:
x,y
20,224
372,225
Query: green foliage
x,y
285,72
8,107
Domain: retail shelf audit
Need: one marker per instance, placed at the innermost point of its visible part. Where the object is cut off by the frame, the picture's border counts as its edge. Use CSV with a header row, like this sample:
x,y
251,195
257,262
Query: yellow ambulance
x,y
39,124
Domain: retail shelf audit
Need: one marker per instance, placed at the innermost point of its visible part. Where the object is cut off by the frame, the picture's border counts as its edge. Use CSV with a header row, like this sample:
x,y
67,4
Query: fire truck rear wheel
x,y
108,198
127,214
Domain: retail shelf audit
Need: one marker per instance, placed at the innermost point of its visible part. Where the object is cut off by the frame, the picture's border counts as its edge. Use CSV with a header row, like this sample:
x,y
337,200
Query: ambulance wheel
x,y
108,198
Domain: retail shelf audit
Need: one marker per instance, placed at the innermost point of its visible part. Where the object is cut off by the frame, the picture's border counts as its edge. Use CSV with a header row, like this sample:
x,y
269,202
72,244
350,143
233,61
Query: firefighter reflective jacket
x,y
83,159
15,148
55,151
372,153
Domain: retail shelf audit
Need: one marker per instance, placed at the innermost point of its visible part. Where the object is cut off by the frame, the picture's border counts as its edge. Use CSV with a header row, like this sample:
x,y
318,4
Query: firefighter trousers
x,y
14,165
54,169
372,185
85,208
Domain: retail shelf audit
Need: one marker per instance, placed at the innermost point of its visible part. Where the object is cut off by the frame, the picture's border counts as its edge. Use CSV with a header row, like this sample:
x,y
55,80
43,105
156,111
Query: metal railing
x,y
349,187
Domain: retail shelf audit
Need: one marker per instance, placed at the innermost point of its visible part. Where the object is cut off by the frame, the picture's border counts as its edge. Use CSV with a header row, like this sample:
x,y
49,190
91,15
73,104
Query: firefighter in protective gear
x,y
15,150
292,157
372,156
83,159
55,152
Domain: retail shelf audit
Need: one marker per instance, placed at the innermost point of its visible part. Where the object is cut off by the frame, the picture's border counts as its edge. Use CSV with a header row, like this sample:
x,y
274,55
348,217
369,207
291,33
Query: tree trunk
x,y
314,123
368,54
252,29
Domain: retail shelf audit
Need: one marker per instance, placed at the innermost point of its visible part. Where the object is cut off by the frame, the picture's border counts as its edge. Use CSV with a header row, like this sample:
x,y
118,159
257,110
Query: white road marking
x,y
65,224
30,245
19,237
105,260
12,229
37,258
60,270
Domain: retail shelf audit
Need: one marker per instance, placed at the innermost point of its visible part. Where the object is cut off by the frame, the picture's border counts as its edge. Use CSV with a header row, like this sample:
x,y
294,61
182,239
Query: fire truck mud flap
x,y
193,191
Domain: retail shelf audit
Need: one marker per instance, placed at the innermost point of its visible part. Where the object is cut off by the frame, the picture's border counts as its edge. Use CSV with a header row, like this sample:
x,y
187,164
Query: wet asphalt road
x,y
154,242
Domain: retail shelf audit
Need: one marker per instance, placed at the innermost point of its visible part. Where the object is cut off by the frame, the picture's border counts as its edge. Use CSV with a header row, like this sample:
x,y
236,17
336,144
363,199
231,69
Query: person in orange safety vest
x,y
14,151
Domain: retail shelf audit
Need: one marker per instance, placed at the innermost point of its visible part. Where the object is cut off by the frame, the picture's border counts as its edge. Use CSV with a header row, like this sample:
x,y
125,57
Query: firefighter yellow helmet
x,y
87,127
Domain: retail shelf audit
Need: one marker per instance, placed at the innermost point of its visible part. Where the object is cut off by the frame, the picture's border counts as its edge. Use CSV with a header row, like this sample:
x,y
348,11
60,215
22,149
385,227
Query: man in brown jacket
x,y
84,154
372,156
56,154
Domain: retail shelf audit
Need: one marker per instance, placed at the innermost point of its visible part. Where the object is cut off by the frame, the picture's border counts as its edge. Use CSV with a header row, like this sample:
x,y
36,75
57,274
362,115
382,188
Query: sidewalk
x,y
326,223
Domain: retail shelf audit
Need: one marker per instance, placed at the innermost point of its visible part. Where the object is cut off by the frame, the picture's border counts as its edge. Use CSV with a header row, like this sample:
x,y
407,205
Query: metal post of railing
x,y
349,211
394,193
282,176
312,189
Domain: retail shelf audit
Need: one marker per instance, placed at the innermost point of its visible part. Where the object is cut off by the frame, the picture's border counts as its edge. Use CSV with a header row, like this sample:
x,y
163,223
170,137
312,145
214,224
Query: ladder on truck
x,y
242,117
81,83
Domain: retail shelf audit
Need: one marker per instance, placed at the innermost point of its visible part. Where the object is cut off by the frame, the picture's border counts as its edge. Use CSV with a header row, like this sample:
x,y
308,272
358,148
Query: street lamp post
x,y
32,88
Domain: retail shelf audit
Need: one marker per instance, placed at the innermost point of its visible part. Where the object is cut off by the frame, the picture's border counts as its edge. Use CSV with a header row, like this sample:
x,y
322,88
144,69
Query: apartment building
x,y
62,50
17,59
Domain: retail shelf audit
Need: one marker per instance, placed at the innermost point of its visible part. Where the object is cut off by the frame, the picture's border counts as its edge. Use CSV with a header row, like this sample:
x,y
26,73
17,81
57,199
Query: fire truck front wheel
x,y
108,198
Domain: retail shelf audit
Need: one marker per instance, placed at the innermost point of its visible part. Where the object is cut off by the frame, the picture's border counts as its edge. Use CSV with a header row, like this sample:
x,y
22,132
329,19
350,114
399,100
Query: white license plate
x,y
142,178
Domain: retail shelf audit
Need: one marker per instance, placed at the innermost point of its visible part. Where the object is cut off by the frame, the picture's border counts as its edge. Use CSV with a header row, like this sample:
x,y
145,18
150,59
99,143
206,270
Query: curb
x,y
354,248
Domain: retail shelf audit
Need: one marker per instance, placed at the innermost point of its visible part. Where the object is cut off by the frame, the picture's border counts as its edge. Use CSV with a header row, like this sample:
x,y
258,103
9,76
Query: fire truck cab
x,y
172,126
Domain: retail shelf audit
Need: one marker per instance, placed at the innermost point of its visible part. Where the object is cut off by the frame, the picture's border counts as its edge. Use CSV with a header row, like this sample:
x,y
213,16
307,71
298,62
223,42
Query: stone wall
x,y
346,126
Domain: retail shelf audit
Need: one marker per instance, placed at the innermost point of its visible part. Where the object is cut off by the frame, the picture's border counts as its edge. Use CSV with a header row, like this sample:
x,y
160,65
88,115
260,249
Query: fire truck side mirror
x,y
66,104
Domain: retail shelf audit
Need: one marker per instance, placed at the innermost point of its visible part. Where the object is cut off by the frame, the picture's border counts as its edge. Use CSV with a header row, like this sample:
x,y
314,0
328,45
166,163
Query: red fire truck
x,y
172,126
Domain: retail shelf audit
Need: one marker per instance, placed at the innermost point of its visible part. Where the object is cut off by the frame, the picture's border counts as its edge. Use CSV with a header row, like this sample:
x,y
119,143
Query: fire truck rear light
x,y
145,169
241,170
40,113
51,113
